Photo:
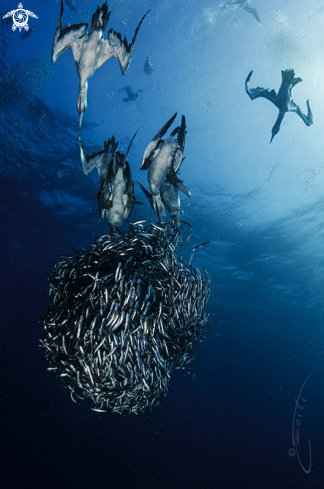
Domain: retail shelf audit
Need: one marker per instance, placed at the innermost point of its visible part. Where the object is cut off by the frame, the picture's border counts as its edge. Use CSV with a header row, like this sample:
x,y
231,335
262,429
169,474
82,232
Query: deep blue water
x,y
227,420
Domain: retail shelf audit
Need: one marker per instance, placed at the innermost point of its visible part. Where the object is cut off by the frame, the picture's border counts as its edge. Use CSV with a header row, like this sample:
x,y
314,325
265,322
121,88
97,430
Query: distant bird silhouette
x,y
130,94
27,33
90,51
148,66
282,100
245,6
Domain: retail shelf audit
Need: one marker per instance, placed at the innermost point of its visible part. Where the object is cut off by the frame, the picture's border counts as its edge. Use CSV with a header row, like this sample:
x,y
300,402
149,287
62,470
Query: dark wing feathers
x,y
119,48
101,13
67,38
254,93
147,193
164,129
252,11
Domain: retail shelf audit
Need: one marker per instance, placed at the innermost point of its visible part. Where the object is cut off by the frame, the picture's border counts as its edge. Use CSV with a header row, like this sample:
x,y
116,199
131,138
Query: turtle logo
x,y
20,18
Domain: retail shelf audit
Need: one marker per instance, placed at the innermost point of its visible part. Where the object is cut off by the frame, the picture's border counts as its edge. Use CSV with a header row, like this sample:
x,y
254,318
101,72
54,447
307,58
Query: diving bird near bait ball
x,y
169,195
115,196
282,100
162,159
170,198
90,51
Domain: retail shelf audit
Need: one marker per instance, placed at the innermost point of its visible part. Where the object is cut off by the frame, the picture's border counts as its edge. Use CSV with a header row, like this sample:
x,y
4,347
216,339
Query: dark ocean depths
x,y
240,415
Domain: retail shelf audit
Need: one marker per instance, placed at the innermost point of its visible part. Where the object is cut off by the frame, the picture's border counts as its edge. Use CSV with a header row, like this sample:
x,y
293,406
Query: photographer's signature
x,y
295,431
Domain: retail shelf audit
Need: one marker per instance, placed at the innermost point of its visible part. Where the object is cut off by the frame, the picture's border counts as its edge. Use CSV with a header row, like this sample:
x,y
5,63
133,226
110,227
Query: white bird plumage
x,y
90,51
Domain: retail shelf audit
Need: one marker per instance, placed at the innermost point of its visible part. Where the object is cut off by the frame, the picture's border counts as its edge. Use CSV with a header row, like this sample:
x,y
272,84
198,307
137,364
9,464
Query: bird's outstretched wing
x,y
130,144
129,191
118,48
154,143
31,14
164,129
252,11
173,178
259,92
70,37
129,181
308,119
104,198
91,162
104,194
181,132
147,193
8,14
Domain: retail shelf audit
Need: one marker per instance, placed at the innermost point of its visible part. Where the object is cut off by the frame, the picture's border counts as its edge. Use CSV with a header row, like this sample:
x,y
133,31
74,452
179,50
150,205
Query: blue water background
x,y
228,418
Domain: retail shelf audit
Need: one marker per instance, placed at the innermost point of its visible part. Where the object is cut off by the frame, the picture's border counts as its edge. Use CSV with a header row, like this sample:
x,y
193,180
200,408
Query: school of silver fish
x,y
123,314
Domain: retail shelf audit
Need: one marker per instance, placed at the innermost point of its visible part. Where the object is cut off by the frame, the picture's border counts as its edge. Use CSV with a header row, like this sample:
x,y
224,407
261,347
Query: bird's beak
x,y
273,135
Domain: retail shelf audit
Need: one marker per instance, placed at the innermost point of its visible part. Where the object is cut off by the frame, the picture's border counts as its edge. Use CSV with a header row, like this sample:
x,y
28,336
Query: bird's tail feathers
x,y
100,18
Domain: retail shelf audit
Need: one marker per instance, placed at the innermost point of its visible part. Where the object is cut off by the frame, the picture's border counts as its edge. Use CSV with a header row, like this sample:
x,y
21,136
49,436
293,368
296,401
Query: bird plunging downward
x,y
90,50
282,100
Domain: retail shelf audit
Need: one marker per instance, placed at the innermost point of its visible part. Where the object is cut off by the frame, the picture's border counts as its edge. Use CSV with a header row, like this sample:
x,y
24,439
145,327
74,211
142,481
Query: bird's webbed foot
x,y
309,115
308,119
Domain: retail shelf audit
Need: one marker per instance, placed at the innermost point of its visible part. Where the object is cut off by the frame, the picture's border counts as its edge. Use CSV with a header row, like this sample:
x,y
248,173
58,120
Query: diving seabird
x,y
283,100
90,50
169,195
115,196
162,159
131,96
245,6
148,68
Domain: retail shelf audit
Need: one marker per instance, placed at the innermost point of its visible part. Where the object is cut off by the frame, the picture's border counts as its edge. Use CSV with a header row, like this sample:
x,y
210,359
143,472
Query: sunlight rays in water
x,y
210,15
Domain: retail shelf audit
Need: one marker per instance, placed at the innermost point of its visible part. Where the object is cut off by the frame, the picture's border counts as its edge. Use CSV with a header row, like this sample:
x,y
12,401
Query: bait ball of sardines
x,y
122,315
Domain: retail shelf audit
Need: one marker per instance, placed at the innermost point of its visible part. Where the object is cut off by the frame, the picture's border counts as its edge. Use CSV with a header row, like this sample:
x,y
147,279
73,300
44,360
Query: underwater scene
x,y
162,257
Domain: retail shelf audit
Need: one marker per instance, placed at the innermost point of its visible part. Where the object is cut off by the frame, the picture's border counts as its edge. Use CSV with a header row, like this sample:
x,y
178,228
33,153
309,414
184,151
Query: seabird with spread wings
x,y
131,96
282,100
90,51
